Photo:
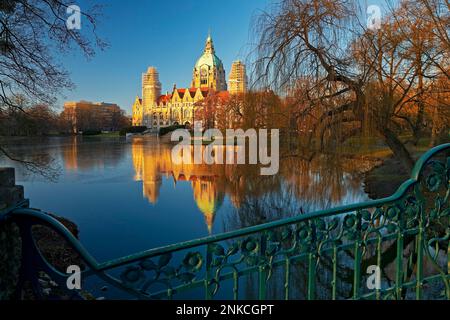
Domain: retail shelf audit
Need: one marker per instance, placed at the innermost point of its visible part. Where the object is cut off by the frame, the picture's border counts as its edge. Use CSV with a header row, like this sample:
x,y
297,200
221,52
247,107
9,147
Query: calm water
x,y
126,195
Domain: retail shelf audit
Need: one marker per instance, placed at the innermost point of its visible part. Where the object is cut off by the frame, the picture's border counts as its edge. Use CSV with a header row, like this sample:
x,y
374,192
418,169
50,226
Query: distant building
x,y
237,82
154,110
85,115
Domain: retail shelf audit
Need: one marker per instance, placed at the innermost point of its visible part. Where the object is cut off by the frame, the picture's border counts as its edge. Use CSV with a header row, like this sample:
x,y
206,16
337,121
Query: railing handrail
x,y
93,264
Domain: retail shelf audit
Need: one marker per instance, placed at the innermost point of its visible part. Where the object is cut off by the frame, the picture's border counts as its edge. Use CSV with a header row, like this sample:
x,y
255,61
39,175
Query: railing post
x,y
448,262
208,275
399,258
358,259
262,274
311,293
448,246
311,276
419,272
334,281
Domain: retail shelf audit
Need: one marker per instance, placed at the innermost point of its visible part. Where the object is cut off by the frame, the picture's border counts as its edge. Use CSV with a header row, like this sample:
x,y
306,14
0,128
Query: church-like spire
x,y
209,47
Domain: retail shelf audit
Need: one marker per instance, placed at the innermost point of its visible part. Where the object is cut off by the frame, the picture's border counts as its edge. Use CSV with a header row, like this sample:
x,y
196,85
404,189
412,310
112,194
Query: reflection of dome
x,y
209,206
208,200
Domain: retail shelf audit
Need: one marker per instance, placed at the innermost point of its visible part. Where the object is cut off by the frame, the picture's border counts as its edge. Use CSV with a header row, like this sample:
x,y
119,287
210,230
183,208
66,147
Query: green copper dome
x,y
209,60
209,57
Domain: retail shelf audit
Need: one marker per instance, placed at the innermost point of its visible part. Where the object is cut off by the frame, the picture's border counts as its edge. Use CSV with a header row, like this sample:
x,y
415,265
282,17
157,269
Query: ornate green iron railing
x,y
328,254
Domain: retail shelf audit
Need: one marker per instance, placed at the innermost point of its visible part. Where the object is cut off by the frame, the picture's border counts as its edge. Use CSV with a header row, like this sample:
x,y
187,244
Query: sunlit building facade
x,y
237,82
85,115
156,110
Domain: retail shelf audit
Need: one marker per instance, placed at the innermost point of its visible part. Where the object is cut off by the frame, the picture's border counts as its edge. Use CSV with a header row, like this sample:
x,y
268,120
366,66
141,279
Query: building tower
x,y
151,90
208,71
238,78
151,87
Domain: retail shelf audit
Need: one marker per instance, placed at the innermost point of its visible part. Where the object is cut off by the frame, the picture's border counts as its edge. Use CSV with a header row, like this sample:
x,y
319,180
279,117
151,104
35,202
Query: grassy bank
x,y
115,134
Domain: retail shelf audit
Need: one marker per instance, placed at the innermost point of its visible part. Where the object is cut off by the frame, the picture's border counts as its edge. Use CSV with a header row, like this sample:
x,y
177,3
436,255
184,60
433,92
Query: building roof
x,y
181,92
209,57
209,60
164,98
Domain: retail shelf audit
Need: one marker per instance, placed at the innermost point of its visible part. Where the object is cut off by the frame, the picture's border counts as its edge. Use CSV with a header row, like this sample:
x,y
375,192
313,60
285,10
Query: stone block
x,y
7,177
10,196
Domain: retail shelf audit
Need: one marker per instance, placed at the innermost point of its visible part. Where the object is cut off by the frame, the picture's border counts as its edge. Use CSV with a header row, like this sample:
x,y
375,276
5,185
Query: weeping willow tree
x,y
348,79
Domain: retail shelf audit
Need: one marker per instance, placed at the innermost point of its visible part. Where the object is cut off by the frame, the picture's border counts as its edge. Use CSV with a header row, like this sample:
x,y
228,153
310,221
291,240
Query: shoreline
x,y
384,178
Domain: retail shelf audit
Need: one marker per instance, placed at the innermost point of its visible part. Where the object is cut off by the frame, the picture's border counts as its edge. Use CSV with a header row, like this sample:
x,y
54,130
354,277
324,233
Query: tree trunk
x,y
398,148
417,133
420,105
443,135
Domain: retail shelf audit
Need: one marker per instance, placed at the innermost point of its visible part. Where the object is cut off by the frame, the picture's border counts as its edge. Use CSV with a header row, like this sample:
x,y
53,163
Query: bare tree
x,y
354,79
33,33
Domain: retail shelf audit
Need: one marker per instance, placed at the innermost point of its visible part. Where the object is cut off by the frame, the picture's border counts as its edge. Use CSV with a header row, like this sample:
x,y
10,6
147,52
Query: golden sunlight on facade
x,y
155,110
238,78
85,115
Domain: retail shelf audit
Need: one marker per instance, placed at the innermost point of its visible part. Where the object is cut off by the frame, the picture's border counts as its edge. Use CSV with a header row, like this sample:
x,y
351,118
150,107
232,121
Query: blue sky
x,y
167,34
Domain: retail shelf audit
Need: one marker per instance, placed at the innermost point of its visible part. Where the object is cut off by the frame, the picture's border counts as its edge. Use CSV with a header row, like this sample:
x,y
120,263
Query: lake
x,y
126,195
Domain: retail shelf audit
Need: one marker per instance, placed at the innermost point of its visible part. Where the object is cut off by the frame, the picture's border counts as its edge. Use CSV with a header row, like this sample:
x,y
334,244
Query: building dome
x,y
208,70
209,57
211,60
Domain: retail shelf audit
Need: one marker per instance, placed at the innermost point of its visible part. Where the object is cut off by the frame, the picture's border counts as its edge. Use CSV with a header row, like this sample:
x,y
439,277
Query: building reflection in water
x,y
84,154
300,186
153,161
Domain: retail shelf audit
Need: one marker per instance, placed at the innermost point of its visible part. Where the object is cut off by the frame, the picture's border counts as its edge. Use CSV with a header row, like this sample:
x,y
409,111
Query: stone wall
x,y
10,244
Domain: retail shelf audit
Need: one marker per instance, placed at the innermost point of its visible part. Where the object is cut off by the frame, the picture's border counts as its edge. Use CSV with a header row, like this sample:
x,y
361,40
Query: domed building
x,y
180,105
208,71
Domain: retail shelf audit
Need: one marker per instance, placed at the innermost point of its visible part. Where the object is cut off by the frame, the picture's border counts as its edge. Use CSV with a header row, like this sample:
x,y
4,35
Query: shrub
x,y
134,129
166,130
91,132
